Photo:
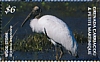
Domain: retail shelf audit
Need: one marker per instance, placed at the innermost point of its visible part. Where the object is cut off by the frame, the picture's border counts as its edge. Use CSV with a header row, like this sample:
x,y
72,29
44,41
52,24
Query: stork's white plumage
x,y
56,30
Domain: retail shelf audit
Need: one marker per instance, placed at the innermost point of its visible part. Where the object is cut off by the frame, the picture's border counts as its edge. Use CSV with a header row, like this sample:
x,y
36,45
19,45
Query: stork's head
x,y
35,13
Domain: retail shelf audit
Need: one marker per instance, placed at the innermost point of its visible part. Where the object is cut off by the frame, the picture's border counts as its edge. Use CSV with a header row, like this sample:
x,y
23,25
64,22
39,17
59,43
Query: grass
x,y
80,38
39,42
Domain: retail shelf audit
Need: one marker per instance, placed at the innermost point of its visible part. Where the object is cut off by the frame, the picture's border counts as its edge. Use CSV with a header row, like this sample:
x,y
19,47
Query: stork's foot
x,y
57,58
61,51
61,54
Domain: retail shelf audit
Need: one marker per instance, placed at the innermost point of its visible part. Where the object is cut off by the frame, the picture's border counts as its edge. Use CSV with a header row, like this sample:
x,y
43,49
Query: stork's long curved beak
x,y
26,19
35,11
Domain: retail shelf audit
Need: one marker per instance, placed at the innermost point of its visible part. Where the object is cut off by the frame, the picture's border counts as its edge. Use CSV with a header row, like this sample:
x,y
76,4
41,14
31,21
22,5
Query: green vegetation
x,y
80,38
38,42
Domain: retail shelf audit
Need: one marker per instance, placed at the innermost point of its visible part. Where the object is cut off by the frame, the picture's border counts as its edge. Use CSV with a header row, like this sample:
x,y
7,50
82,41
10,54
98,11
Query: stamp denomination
x,y
50,30
10,9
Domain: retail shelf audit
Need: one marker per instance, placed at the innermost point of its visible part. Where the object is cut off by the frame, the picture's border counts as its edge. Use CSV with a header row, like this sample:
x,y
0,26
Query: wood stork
x,y
55,29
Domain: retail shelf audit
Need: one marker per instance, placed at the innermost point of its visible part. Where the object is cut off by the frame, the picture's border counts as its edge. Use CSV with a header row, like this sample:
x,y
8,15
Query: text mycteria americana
x,y
55,29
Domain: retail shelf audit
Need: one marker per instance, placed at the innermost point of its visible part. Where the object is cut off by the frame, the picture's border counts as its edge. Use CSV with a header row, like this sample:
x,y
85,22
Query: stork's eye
x,y
36,10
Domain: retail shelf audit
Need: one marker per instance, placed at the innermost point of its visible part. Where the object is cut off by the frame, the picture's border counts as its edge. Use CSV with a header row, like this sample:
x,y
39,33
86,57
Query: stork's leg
x,y
56,49
61,51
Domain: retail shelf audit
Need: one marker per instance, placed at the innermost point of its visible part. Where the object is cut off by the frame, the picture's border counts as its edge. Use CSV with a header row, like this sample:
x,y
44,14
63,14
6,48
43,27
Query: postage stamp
x,y
50,30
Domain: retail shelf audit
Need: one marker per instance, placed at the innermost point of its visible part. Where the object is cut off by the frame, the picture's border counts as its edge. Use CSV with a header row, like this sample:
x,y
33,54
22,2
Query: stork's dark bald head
x,y
36,11
36,8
